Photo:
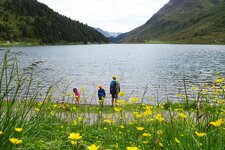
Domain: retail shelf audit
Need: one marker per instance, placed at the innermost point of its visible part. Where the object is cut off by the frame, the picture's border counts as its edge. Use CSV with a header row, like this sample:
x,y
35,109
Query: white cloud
x,y
110,15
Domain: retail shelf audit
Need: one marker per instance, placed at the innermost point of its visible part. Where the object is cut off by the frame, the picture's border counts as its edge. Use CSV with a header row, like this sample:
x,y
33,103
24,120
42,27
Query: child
x,y
76,96
101,94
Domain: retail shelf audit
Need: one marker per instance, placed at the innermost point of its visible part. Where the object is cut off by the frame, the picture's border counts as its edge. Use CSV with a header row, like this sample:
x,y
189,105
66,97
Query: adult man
x,y
114,89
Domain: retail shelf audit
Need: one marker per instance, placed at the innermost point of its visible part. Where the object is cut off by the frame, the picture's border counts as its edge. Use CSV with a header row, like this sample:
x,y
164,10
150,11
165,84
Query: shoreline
x,y
23,44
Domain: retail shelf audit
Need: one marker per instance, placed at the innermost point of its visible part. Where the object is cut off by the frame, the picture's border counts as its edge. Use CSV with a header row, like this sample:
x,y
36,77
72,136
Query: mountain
x,y
183,21
31,21
108,34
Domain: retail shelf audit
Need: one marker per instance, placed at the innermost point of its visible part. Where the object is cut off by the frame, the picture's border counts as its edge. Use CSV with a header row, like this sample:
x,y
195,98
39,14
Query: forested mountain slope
x,y
31,21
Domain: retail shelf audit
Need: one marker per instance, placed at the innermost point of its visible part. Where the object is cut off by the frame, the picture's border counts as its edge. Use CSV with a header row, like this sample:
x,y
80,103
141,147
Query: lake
x,y
160,69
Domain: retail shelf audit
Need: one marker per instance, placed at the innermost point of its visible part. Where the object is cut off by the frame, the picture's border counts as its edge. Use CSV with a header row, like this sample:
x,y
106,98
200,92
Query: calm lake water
x,y
159,67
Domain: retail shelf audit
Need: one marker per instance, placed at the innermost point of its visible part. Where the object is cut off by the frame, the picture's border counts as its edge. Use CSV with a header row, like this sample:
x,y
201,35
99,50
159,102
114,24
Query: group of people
x,y
114,91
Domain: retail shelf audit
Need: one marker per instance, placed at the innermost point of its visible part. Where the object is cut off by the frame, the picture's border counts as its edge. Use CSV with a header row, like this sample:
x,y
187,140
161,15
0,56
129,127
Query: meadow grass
x,y
29,121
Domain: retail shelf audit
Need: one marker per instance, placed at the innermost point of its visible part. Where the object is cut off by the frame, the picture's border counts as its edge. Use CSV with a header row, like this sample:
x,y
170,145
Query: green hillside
x,y
183,21
34,22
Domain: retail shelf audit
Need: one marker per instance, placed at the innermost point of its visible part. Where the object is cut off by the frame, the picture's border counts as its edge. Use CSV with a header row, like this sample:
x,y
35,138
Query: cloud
x,y
110,15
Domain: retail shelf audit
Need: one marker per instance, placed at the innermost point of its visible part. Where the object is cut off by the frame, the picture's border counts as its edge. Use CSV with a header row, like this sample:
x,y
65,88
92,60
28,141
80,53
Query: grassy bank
x,y
31,121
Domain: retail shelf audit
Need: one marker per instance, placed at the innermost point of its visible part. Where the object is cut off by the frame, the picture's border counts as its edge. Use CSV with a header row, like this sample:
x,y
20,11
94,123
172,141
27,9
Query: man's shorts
x,y
114,95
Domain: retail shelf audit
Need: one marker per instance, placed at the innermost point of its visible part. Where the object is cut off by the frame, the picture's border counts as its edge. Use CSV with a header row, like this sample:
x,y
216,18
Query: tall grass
x,y
195,123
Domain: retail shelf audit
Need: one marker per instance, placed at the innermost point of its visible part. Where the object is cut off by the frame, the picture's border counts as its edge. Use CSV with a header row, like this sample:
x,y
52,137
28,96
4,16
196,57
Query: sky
x,y
109,15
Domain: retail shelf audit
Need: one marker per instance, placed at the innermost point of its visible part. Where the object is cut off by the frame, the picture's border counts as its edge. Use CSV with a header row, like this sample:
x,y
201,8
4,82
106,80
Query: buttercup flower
x,y
159,117
74,122
93,147
177,141
200,134
40,103
122,127
117,109
220,80
182,115
161,145
217,123
37,109
18,129
108,121
119,102
132,148
193,88
121,93
140,128
145,142
159,132
134,99
146,134
1,132
148,112
73,142
150,98
74,136
15,141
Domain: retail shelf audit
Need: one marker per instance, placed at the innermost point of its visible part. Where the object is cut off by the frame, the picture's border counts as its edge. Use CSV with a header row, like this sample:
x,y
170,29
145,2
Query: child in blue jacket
x,y
101,94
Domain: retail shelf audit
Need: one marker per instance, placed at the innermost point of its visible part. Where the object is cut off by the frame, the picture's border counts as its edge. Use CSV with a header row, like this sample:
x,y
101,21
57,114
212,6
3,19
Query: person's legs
x,y
112,101
113,97
116,97
77,101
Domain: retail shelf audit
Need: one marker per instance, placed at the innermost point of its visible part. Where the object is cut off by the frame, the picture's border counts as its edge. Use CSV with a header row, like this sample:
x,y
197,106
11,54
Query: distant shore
x,y
12,44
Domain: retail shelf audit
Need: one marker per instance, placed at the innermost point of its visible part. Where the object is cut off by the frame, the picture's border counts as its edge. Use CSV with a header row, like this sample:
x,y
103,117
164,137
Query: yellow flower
x,y
220,80
217,73
18,129
148,112
116,146
145,142
119,101
200,134
217,123
15,141
178,109
74,136
73,142
193,88
220,101
40,103
134,99
1,132
159,132
146,134
93,147
37,109
137,114
74,123
159,117
117,109
132,148
121,93
108,121
150,98
177,141
122,127
161,145
182,115
140,128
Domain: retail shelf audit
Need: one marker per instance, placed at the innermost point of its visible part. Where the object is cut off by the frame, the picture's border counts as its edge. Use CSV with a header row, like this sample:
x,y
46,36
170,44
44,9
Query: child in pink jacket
x,y
76,96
